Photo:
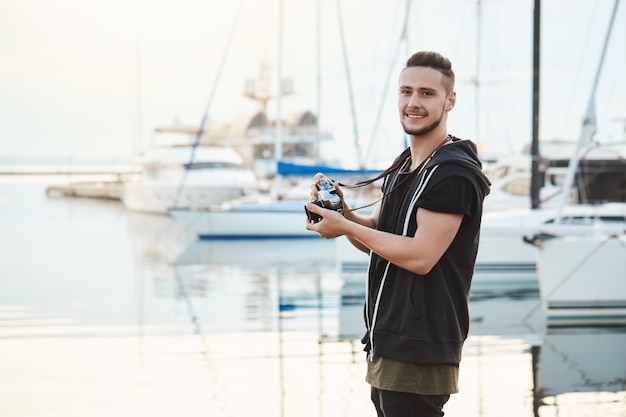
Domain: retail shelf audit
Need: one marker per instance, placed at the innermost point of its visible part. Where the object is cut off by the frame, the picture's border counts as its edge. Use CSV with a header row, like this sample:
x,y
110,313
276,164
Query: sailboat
x,y
593,174
504,258
581,262
274,212
291,154
599,183
187,173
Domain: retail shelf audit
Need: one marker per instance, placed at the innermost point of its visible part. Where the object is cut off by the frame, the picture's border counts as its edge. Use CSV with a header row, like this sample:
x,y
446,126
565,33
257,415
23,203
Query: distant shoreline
x,y
68,169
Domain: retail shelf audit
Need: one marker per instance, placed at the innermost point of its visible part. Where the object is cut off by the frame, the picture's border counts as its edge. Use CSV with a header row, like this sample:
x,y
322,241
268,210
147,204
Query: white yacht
x,y
581,268
189,176
581,253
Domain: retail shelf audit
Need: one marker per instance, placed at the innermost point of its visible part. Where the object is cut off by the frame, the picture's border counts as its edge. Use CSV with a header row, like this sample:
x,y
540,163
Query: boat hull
x,y
175,188
284,220
582,279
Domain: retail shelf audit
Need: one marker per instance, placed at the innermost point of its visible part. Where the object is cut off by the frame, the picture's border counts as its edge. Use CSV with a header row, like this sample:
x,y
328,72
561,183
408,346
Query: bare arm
x,y
369,222
419,254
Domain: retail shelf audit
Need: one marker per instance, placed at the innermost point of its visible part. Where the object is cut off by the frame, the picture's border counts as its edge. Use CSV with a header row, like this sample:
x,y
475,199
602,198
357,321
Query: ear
x,y
451,101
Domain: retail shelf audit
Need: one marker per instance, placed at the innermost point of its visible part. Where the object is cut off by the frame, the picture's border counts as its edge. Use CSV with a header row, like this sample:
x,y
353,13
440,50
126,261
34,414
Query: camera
x,y
328,198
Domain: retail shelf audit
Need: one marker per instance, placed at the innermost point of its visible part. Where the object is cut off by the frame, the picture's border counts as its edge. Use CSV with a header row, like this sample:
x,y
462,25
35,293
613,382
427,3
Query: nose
x,y
414,100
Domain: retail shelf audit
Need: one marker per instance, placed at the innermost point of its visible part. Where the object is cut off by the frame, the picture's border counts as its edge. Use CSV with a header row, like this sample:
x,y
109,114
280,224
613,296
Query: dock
x,y
106,190
102,181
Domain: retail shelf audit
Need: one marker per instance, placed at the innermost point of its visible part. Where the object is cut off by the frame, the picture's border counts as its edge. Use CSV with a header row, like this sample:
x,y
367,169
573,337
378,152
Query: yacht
x,y
189,176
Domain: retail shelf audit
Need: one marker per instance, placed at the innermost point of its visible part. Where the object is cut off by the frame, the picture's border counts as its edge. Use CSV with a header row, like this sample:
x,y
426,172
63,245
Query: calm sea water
x,y
109,313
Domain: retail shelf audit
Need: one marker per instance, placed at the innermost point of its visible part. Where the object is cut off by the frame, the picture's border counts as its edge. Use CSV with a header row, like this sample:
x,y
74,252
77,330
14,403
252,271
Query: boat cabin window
x,y
599,181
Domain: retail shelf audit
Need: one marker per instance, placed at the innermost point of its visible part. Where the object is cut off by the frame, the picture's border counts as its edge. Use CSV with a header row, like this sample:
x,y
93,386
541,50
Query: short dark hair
x,y
436,61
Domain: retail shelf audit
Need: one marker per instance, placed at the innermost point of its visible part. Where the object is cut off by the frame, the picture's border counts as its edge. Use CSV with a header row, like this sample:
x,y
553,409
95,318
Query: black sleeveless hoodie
x,y
424,318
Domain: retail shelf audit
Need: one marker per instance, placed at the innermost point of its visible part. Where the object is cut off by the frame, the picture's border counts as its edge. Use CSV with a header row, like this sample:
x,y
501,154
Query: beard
x,y
424,130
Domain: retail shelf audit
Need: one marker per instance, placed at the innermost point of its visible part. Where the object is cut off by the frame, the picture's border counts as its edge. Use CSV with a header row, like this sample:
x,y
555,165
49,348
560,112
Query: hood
x,y
464,153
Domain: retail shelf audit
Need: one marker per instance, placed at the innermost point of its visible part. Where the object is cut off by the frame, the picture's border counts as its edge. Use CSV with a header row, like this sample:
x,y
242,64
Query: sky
x,y
93,79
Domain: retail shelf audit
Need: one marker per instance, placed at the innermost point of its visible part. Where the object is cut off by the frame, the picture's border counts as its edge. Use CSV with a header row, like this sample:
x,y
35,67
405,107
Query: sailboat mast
x,y
318,45
138,146
536,177
205,115
278,145
477,122
355,124
589,121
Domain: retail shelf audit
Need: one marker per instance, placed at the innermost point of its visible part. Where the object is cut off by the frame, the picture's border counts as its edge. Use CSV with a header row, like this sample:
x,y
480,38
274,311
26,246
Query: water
x,y
105,312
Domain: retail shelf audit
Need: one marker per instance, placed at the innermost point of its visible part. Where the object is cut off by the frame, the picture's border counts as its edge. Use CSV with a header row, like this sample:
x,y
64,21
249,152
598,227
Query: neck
x,y
422,147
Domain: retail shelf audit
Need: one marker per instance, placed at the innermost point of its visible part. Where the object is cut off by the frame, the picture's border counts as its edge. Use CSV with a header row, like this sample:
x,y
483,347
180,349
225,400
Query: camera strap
x,y
395,187
419,169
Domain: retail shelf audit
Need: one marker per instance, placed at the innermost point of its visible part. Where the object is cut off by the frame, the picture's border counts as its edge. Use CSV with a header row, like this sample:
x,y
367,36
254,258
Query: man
x,y
422,238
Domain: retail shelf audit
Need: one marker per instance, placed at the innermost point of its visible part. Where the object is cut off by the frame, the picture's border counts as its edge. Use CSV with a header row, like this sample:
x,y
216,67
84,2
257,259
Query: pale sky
x,y
94,78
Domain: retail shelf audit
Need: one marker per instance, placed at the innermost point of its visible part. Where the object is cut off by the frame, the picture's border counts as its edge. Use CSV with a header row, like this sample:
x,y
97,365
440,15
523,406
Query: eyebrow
x,y
408,87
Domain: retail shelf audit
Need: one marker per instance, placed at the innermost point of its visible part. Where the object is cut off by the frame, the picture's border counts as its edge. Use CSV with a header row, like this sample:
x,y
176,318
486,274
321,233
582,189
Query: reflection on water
x,y
105,312
580,370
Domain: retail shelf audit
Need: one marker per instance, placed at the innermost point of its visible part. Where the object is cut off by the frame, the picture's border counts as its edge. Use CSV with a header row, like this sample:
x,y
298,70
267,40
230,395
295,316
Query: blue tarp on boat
x,y
288,168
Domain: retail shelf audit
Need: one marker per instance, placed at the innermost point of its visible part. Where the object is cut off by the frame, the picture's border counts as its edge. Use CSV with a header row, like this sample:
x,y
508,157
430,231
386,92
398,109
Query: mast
x,y
207,109
478,133
278,145
536,177
403,40
589,122
318,52
355,125
138,146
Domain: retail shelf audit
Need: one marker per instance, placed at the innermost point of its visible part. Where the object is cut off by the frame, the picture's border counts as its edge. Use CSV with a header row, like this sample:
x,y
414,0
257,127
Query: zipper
x,y
370,325
375,313
418,192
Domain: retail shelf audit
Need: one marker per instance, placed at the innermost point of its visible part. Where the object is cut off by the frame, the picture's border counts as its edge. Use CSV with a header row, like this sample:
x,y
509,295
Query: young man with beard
x,y
422,238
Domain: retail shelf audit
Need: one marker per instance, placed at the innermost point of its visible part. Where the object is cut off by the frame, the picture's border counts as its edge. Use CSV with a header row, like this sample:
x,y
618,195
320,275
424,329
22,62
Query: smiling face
x,y
423,101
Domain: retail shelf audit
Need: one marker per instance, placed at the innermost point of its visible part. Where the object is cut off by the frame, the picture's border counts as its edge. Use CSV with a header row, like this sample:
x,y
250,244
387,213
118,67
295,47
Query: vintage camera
x,y
328,198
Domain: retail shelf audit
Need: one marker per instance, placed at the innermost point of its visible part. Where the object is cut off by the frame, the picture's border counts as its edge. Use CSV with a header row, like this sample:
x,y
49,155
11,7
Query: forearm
x,y
370,220
366,221
358,245
418,253
397,249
